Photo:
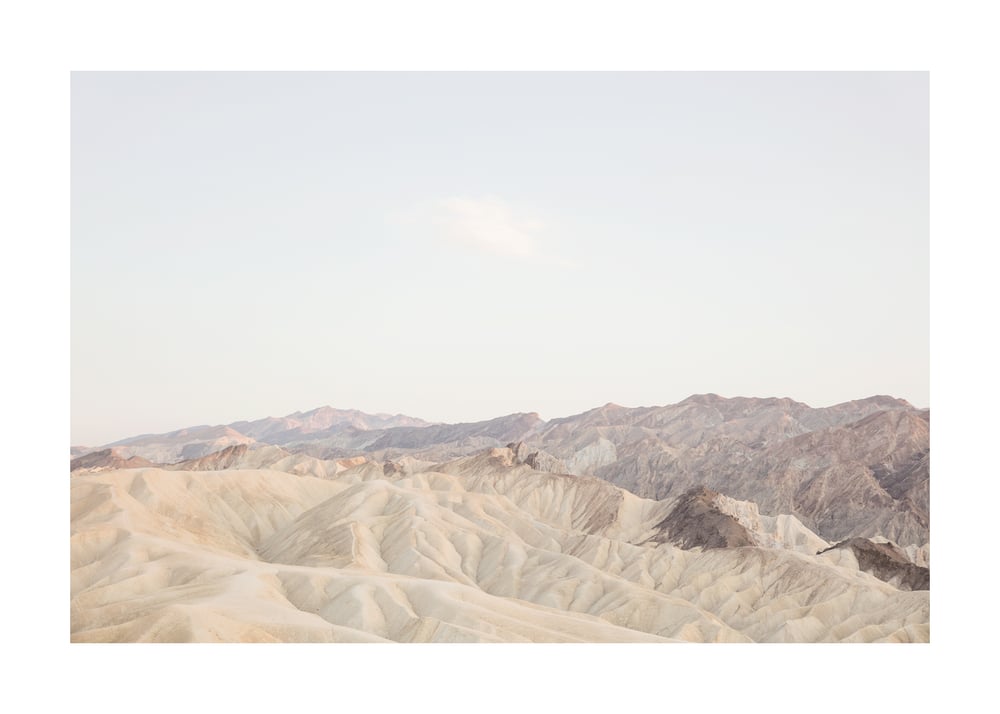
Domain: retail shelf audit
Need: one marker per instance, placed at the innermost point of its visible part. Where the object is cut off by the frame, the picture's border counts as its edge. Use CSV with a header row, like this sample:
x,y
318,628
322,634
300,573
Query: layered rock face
x,y
869,477
860,468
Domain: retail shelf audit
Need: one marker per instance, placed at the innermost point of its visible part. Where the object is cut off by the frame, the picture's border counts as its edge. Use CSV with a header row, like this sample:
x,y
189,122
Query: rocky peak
x,y
696,521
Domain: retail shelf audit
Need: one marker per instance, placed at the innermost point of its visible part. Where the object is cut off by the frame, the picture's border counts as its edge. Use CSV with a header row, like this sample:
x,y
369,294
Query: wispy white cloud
x,y
492,226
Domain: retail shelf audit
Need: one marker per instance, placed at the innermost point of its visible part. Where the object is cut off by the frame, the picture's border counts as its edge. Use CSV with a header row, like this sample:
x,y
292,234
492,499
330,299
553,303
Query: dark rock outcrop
x,y
887,562
696,522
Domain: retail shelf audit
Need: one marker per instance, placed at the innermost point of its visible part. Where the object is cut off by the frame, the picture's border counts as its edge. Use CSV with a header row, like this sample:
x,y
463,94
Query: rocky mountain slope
x,y
868,477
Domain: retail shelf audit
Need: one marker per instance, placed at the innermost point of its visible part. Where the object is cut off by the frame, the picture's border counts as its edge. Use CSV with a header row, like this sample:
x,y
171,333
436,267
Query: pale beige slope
x,y
172,556
482,541
586,503
781,531
494,554
192,595
453,537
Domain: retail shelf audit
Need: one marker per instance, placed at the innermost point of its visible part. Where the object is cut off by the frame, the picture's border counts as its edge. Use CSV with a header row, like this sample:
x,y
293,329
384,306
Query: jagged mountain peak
x,y
695,521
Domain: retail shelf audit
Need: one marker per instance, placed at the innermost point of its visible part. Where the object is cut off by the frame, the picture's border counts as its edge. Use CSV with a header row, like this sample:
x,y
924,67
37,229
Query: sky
x,y
458,246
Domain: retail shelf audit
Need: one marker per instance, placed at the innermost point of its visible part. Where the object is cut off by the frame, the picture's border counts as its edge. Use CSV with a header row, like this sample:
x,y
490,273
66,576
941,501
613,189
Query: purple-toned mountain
x,y
513,427
321,423
859,468
189,443
349,428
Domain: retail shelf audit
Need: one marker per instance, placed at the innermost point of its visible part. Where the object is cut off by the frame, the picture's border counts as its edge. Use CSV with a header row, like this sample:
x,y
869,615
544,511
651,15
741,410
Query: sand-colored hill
x,y
479,549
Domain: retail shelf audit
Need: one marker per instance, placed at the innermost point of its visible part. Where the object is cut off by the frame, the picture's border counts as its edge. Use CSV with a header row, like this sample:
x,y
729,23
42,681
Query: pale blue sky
x,y
459,246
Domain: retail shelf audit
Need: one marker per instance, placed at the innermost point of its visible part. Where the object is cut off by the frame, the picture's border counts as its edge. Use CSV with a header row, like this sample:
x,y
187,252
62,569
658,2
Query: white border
x,y
41,43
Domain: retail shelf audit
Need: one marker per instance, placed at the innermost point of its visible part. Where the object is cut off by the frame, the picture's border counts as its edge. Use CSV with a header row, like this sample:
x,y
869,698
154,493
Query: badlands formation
x,y
713,520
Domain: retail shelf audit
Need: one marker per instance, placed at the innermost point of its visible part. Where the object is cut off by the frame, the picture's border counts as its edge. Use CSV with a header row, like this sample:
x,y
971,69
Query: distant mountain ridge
x,y
856,469
316,425
320,423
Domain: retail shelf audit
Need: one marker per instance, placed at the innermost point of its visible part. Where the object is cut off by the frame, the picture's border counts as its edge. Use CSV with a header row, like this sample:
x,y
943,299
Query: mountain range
x,y
710,519
858,468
